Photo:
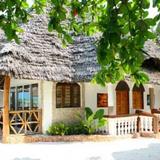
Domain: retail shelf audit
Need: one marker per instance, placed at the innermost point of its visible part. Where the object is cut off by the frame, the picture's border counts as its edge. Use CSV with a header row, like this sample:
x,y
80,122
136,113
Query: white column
x,y
131,110
112,99
47,109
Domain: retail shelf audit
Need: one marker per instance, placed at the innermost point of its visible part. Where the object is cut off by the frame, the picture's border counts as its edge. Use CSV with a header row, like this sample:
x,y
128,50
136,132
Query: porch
x,y
24,125
140,122
23,121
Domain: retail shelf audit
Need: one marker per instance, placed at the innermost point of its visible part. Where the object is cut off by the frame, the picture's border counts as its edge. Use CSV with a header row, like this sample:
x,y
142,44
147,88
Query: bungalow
x,y
41,82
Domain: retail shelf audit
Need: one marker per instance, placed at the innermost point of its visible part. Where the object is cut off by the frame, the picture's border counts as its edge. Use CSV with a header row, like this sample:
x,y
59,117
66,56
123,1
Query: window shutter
x,y
67,95
75,99
59,96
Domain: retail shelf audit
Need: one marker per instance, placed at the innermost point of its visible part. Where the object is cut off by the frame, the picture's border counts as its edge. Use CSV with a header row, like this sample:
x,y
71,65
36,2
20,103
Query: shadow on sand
x,y
152,152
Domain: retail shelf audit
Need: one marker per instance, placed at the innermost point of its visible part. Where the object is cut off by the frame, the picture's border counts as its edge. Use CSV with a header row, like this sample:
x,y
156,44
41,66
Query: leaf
x,y
150,21
99,114
145,4
155,2
114,38
88,112
150,35
25,4
68,38
102,122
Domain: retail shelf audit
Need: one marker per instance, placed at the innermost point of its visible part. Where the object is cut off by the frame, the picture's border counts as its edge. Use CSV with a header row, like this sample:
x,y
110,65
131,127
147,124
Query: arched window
x,y
67,95
138,97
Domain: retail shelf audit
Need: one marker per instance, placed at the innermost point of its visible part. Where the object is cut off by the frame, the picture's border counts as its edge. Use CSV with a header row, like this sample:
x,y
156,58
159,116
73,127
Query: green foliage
x,y
86,125
75,129
124,25
93,121
58,129
67,129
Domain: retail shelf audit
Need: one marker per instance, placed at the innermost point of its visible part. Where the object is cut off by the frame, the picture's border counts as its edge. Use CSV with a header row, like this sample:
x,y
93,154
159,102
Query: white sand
x,y
126,149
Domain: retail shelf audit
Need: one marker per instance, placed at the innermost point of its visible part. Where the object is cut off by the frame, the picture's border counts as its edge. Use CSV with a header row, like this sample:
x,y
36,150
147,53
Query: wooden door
x,y
122,100
137,99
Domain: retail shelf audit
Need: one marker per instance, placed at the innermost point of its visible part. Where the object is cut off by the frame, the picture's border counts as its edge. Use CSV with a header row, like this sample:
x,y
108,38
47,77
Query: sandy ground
x,y
126,149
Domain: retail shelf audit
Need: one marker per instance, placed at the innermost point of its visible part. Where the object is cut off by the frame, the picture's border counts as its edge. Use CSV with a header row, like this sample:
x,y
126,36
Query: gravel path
x,y
126,149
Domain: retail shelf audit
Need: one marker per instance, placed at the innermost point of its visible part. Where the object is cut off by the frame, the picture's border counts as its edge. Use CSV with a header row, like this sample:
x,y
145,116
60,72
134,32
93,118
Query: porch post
x,y
6,109
152,100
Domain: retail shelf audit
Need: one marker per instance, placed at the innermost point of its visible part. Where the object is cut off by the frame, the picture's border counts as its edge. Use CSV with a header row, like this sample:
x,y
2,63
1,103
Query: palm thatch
x,y
41,56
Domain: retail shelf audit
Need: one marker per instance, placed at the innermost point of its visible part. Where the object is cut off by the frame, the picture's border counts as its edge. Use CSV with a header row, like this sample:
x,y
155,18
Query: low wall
x,y
73,138
14,139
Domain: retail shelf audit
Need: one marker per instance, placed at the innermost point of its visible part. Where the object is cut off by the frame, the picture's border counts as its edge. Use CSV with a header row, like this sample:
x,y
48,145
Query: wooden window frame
x,y
98,104
16,96
71,85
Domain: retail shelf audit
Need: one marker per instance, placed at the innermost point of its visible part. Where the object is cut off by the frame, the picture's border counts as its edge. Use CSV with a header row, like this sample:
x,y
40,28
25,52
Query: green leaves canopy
x,y
124,25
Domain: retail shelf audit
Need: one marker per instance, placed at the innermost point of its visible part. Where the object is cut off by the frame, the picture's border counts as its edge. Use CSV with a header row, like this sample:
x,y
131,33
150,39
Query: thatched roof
x,y
153,49
41,56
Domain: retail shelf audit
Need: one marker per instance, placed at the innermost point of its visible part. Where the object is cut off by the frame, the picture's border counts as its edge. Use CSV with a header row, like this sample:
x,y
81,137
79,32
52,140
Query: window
x,y
148,100
12,98
67,95
34,93
102,100
24,97
19,97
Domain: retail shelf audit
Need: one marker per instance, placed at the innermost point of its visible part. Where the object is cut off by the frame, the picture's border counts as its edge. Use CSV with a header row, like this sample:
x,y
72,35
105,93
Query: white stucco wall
x,y
47,114
91,91
157,96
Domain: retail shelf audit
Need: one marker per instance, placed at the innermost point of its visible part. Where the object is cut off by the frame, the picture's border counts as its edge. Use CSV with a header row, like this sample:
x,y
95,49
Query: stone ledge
x,y
74,138
149,135
71,138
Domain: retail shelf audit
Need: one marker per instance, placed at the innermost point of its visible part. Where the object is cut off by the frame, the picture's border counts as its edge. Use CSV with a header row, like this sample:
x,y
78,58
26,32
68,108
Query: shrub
x,y
75,129
86,125
58,129
93,121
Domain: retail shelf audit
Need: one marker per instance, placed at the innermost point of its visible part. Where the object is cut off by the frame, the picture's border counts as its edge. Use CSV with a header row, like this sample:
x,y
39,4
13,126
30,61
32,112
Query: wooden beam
x,y
156,125
6,109
152,98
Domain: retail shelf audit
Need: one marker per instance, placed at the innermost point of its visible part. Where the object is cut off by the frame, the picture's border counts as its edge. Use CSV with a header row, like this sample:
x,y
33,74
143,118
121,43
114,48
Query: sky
x,y
152,11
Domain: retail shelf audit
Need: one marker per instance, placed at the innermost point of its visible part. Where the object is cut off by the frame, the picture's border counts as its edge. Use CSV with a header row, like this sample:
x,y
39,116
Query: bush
x,y
88,125
58,129
75,129
93,120
64,129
